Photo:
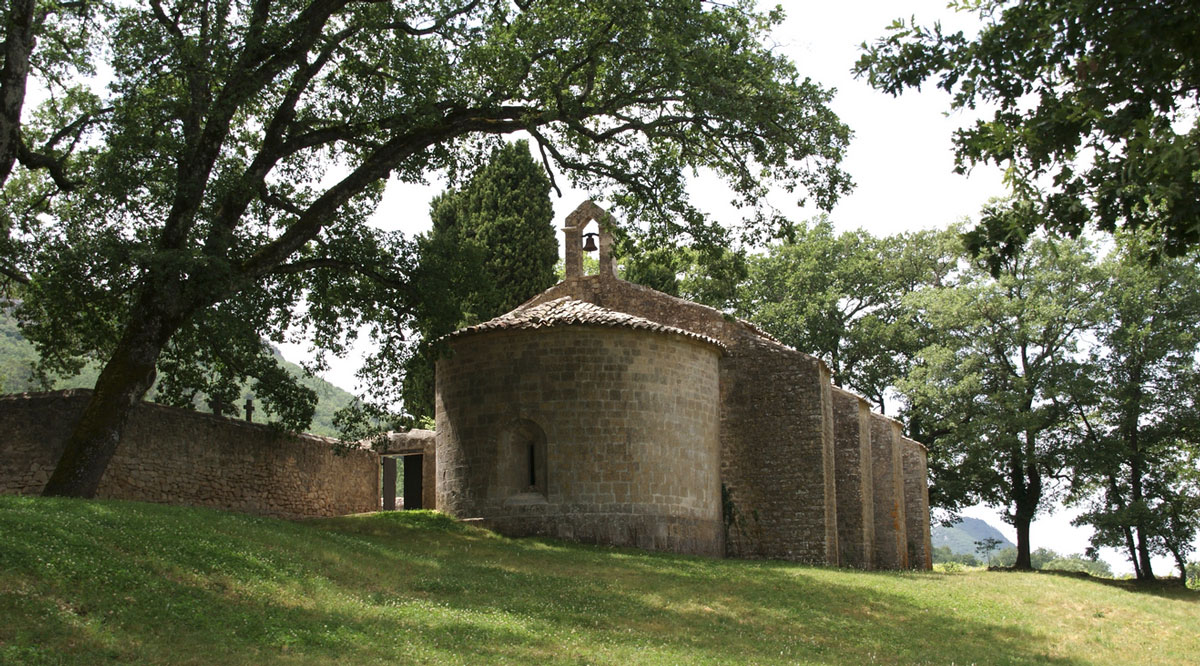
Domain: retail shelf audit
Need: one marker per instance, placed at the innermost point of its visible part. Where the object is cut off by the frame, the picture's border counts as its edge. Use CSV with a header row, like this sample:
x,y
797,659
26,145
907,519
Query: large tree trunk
x,y
1025,506
1137,497
122,384
1024,561
1131,546
1180,562
18,45
1026,482
1131,432
1143,552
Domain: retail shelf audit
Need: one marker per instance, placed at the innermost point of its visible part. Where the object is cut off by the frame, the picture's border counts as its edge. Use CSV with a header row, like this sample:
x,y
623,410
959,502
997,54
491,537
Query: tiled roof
x,y
567,311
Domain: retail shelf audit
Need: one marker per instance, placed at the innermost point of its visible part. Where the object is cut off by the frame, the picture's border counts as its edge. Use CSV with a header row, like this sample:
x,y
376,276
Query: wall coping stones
x,y
147,405
411,441
838,389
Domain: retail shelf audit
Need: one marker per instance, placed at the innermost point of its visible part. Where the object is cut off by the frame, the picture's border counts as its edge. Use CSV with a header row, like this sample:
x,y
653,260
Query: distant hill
x,y
17,356
961,536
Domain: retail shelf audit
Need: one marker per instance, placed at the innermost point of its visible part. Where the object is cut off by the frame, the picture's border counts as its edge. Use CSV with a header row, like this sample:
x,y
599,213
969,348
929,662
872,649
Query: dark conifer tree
x,y
492,247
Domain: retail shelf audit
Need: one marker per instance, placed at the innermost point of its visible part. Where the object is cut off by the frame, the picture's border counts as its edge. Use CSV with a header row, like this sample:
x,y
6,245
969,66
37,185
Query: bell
x,y
589,242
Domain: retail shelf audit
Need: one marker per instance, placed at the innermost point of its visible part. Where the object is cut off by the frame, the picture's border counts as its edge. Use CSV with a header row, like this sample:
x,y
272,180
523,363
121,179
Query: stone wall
x,y
916,504
855,490
776,424
591,433
775,450
176,456
891,541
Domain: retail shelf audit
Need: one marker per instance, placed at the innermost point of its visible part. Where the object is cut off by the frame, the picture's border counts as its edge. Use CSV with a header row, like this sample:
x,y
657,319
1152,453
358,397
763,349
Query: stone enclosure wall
x,y
176,456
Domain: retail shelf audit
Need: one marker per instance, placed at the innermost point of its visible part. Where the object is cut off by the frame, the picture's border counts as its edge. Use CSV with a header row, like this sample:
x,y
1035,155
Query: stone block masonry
x,y
176,456
775,450
776,424
891,541
855,487
595,433
916,504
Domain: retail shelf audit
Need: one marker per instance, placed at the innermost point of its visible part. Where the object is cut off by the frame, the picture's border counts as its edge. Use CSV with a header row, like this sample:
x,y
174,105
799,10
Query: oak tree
x,y
1090,106
1139,471
247,142
990,397
841,296
45,47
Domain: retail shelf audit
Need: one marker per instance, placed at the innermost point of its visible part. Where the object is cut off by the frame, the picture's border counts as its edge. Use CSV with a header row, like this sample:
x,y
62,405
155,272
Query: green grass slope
x,y
85,582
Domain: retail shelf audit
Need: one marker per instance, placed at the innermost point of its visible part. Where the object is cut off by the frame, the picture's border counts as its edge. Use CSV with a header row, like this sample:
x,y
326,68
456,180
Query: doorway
x,y
414,466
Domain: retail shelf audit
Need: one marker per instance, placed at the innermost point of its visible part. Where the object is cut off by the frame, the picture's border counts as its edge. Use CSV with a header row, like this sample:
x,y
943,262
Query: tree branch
x,y
343,267
17,49
375,167
54,166
437,25
13,274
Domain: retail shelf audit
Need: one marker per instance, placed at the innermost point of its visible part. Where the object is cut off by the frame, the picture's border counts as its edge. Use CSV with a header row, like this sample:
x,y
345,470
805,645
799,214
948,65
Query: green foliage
x,y
46,47
1049,560
985,548
1192,575
950,567
122,582
492,247
841,297
1006,557
1094,100
224,191
18,358
710,275
657,268
944,555
989,395
1140,475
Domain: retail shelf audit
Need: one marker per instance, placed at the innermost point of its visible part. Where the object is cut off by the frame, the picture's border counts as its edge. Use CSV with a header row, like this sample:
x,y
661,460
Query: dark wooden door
x,y
412,481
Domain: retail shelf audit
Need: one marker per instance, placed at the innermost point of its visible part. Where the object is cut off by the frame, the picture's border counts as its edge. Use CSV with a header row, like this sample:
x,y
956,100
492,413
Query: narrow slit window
x,y
532,466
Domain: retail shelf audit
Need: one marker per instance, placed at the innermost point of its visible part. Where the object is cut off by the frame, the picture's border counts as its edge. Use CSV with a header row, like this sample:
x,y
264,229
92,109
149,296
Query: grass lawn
x,y
86,582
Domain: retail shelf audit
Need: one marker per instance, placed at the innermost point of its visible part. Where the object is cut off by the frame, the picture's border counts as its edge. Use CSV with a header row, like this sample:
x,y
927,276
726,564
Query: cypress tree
x,y
491,248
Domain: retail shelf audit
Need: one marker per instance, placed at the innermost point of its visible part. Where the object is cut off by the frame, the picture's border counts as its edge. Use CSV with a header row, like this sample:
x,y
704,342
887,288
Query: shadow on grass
x,y
1170,588
94,581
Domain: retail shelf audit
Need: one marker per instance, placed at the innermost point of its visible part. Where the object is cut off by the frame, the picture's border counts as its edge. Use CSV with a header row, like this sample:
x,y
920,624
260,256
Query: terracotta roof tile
x,y
567,311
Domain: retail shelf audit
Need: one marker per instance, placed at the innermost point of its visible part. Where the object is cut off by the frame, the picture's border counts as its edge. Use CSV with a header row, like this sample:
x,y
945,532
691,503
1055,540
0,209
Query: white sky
x,y
900,159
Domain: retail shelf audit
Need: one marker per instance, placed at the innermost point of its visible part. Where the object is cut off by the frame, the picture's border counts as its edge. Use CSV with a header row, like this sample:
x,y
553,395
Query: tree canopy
x,y
224,190
989,395
842,297
1139,473
1093,110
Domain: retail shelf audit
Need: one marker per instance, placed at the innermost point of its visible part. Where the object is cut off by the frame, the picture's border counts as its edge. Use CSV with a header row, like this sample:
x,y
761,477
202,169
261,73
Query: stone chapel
x,y
607,412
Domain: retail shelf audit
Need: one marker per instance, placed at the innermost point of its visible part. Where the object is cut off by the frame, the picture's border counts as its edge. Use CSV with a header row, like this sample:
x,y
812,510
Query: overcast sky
x,y
900,159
